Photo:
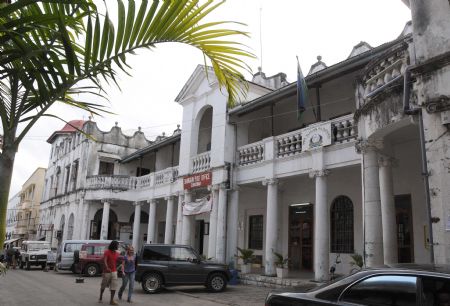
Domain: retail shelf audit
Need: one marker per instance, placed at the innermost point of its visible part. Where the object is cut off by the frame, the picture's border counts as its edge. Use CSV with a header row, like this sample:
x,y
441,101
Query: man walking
x,y
110,279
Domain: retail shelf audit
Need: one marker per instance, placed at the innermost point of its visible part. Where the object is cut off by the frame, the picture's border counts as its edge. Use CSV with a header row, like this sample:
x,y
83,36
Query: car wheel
x,y
91,269
152,283
28,265
216,282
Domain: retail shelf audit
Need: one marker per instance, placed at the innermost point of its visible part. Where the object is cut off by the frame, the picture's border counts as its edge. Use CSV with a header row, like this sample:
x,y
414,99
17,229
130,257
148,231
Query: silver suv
x,y
34,253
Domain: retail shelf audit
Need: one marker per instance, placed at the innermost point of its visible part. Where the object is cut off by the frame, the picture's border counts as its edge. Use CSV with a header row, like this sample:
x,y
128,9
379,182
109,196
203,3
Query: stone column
x,y
388,210
84,228
105,220
373,231
233,224
151,221
221,225
136,225
79,220
213,222
188,222
169,221
179,230
321,227
271,226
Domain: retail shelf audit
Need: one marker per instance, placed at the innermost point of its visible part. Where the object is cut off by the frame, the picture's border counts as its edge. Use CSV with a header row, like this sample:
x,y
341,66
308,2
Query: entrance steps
x,y
303,280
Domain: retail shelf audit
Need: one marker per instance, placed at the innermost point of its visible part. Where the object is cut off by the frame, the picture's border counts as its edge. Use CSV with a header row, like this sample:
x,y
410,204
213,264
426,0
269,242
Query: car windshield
x,y
38,246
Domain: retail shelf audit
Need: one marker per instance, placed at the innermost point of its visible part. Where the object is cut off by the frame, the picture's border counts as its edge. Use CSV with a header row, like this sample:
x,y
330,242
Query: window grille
x,y
342,225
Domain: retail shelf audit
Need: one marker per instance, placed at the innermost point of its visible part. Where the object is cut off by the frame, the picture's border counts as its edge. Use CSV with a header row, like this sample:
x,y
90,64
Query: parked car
x,y
166,265
33,253
89,259
64,257
406,284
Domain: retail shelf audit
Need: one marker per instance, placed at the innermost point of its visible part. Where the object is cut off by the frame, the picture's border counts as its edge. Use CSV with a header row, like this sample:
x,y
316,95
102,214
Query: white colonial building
x,y
346,179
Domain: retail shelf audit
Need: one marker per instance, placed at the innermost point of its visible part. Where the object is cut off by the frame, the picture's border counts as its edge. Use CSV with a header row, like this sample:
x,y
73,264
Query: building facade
x,y
11,216
28,208
347,178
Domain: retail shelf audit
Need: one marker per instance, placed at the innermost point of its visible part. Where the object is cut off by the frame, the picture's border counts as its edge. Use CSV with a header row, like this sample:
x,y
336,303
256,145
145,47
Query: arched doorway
x,y
70,228
113,225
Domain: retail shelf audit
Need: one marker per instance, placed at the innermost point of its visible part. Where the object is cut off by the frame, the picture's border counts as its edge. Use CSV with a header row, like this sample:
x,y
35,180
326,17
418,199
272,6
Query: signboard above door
x,y
197,180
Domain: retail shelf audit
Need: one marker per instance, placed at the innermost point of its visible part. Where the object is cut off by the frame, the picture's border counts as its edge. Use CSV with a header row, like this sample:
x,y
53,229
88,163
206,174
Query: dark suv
x,y
170,265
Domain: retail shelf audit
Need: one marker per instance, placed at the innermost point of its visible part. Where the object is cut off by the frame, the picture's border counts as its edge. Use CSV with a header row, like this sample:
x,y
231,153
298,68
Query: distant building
x,y
346,179
11,216
27,212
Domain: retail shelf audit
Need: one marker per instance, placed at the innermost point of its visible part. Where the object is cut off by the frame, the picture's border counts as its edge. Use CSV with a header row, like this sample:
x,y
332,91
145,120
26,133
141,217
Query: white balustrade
x,y
344,129
385,72
289,144
251,153
201,162
121,182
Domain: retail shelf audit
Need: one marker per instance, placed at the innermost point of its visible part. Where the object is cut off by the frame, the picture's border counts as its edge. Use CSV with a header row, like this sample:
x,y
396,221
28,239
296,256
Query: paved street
x,y
36,287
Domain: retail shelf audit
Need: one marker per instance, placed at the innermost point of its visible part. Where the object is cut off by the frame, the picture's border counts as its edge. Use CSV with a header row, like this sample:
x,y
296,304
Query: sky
x,y
280,30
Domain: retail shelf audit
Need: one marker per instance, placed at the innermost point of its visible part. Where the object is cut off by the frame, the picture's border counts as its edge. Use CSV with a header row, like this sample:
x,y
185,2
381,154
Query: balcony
x,y
342,129
125,182
201,162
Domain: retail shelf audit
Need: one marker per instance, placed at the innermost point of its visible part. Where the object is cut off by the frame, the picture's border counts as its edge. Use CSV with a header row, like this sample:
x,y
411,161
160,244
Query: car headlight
x,y
33,257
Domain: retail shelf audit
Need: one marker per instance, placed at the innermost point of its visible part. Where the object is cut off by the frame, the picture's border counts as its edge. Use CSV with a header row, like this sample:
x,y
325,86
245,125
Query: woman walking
x,y
128,269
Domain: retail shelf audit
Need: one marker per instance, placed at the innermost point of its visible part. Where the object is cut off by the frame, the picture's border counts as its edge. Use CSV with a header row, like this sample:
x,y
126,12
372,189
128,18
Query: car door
x,y
184,267
383,290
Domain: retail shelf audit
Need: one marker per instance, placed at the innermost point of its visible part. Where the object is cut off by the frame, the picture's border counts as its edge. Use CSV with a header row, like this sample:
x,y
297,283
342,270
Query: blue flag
x,y
302,92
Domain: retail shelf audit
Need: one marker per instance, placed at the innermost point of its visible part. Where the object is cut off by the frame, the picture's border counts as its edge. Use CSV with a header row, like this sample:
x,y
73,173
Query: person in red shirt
x,y
110,279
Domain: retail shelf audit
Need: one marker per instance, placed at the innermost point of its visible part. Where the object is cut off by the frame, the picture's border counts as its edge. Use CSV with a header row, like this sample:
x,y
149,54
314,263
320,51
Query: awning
x,y
200,206
11,241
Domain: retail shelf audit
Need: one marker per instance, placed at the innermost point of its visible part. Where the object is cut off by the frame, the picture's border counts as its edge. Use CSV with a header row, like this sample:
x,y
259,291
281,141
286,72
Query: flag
x,y
302,92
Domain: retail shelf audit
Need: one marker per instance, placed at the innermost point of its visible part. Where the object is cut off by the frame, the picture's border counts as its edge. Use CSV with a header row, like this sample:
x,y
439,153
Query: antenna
x,y
260,36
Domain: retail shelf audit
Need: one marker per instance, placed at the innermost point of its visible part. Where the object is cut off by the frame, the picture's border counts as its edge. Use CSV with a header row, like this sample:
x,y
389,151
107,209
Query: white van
x,y
64,257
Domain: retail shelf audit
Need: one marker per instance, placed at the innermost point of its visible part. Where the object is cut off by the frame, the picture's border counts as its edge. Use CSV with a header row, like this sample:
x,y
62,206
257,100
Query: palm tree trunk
x,y
6,168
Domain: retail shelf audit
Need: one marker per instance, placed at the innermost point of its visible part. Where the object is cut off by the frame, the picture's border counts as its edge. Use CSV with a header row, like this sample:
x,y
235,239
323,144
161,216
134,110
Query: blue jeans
x,y
128,277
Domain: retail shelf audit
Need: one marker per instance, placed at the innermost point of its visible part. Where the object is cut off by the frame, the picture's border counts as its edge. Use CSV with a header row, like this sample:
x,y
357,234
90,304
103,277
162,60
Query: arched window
x,y
341,221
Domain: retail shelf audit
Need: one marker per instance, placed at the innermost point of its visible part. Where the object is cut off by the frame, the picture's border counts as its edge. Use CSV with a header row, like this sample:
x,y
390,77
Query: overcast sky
x,y
328,28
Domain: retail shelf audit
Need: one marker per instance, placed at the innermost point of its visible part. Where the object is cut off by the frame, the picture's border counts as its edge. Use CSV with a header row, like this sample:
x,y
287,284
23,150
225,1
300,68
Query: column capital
x,y
137,203
168,198
367,145
151,201
82,193
270,181
236,187
387,161
319,173
109,201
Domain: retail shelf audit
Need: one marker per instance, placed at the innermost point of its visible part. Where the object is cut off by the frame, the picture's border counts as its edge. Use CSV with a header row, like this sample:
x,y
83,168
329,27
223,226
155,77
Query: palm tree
x,y
47,47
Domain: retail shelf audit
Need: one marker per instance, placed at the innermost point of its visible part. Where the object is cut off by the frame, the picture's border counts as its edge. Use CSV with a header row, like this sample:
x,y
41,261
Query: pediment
x,y
198,83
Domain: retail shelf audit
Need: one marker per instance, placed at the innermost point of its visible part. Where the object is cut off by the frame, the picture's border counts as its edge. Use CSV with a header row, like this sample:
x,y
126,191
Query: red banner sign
x,y
197,180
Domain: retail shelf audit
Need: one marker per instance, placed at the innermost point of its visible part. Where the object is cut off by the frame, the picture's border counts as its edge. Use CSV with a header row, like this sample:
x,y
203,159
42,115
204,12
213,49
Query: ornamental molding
x,y
438,104
368,145
319,173
387,161
271,181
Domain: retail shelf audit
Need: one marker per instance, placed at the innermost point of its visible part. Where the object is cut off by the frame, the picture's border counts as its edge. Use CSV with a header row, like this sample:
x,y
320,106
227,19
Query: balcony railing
x,y
201,162
125,182
251,153
343,129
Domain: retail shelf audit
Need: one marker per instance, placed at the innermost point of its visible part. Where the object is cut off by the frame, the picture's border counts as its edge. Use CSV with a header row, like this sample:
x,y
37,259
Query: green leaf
x,y
87,53
105,36
121,24
129,25
138,22
96,41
